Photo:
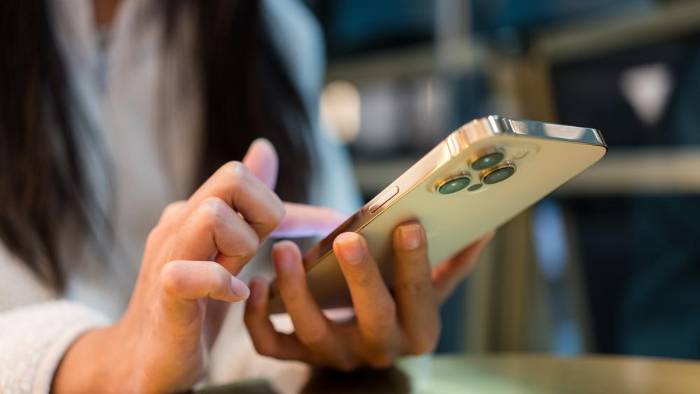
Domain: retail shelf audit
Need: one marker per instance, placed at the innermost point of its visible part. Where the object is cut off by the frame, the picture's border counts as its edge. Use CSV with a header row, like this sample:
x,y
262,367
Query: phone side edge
x,y
584,135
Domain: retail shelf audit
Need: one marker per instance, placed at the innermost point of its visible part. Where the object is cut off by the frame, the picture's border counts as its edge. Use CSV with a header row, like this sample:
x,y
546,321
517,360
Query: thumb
x,y
184,284
261,160
185,280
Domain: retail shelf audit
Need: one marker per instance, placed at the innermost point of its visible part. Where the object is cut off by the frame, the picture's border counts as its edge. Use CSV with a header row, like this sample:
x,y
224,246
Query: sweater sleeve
x,y
33,340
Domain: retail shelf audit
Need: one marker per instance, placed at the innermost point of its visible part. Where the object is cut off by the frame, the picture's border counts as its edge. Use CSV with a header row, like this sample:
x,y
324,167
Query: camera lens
x,y
454,184
487,160
499,174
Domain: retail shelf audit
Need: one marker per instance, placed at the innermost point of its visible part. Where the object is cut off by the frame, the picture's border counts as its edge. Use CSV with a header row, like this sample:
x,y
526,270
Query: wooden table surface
x,y
507,374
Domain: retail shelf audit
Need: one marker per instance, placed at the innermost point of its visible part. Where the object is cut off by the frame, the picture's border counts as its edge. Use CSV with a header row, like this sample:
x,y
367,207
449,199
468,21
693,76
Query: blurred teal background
x,y
611,262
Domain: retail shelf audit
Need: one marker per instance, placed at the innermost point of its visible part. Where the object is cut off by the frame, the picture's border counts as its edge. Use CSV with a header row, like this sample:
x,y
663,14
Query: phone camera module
x,y
498,174
488,160
454,184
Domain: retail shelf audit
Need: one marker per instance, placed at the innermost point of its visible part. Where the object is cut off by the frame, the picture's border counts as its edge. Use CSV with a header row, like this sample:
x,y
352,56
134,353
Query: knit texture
x,y
34,340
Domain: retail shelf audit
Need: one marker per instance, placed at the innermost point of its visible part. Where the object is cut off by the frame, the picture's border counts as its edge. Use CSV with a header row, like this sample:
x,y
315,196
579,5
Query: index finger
x,y
303,220
261,159
244,193
374,306
413,289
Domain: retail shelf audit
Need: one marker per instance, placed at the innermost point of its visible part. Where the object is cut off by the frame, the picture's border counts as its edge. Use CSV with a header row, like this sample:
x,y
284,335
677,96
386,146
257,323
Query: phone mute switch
x,y
382,199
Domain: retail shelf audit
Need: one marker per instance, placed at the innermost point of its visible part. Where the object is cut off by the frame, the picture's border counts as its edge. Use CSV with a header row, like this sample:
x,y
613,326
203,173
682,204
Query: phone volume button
x,y
382,199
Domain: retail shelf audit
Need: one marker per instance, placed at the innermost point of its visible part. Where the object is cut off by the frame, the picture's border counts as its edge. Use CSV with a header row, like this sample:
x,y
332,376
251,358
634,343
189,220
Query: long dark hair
x,y
246,93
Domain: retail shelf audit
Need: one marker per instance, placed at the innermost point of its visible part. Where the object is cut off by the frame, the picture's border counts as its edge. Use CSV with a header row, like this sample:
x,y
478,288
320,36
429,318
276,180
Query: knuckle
x,y
237,171
247,251
210,211
214,204
252,240
172,281
171,210
249,245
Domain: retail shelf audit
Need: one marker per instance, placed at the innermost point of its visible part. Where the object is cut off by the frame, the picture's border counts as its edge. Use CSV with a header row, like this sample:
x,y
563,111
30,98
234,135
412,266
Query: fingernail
x,y
282,257
350,247
411,236
239,288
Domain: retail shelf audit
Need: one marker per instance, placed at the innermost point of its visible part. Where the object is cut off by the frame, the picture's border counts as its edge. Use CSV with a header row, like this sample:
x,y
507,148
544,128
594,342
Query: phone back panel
x,y
544,156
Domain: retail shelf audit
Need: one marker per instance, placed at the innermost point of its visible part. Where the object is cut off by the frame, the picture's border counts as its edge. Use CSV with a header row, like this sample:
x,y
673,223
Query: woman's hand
x,y
385,327
186,281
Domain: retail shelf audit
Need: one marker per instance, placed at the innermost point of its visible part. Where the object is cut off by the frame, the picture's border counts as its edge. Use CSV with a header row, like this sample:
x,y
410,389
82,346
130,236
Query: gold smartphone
x,y
479,177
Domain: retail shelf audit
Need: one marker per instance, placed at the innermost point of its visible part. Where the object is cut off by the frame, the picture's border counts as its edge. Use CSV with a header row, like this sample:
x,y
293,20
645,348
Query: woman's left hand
x,y
385,327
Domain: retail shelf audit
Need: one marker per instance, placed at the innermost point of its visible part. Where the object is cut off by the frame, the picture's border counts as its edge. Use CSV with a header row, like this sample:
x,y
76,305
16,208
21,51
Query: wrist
x,y
92,364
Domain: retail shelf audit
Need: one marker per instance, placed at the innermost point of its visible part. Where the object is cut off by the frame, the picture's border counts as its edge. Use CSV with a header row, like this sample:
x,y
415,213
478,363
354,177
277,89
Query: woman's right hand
x,y
187,278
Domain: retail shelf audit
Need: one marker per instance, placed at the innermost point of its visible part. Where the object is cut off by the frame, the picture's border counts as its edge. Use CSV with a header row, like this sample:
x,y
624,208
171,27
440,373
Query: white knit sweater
x,y
118,87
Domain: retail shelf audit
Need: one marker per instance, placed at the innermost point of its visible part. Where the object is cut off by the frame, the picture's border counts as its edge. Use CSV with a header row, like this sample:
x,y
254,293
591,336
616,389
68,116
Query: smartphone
x,y
479,177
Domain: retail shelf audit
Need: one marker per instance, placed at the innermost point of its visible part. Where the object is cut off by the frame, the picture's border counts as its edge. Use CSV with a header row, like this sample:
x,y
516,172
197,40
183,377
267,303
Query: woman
x,y
112,110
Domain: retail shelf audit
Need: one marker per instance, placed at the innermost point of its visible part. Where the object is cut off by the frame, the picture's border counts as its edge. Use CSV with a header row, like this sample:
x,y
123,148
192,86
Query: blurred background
x,y
611,262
